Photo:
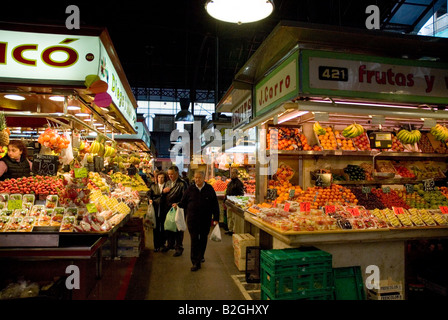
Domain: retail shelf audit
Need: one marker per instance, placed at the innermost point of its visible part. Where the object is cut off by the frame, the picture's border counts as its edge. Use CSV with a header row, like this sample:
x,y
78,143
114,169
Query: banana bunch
x,y
352,131
440,132
409,137
95,147
318,129
109,151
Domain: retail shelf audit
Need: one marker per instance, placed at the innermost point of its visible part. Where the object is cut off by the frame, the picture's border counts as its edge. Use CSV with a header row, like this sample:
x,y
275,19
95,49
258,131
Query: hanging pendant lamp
x,y
239,11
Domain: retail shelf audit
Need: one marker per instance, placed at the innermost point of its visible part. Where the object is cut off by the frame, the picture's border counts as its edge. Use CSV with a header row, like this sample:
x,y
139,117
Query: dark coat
x,y
155,195
235,188
200,206
16,169
177,190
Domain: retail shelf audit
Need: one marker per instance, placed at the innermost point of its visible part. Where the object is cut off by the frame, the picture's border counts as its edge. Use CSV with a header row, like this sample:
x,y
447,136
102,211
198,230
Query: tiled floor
x,y
160,276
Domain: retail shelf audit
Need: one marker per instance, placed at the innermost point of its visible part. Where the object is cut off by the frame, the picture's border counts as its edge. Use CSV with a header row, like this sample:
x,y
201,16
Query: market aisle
x,y
160,276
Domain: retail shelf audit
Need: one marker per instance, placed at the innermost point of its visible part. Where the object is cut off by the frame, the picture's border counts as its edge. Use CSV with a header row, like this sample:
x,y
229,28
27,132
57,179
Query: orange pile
x,y
343,143
328,140
283,189
322,196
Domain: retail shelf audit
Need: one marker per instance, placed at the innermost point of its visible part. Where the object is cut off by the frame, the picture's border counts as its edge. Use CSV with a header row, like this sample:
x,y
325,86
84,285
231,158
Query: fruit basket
x,y
343,142
325,137
362,142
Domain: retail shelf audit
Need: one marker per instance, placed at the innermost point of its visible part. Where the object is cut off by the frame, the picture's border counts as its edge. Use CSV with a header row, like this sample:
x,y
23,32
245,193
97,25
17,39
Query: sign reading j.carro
x,y
47,58
277,87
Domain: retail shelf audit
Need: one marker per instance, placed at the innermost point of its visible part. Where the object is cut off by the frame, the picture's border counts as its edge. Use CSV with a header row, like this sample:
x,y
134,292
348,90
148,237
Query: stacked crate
x,y
240,243
296,273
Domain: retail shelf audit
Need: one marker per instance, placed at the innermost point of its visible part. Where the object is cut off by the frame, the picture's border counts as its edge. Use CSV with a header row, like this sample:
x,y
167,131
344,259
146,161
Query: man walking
x,y
234,188
172,194
200,204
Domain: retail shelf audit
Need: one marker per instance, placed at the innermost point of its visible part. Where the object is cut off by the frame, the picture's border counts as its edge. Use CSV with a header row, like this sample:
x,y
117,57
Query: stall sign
x,y
360,76
116,89
47,58
242,113
279,86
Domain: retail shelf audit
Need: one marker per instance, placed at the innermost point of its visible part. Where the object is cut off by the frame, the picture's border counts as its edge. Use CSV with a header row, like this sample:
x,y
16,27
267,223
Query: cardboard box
x,y
239,238
389,290
240,262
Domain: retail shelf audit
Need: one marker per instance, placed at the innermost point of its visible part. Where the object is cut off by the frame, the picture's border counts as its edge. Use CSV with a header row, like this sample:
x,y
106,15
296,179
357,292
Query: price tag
x,y
409,188
305,206
429,185
81,172
45,165
354,212
14,204
292,192
274,205
366,189
444,209
398,210
287,206
386,189
330,209
91,208
271,194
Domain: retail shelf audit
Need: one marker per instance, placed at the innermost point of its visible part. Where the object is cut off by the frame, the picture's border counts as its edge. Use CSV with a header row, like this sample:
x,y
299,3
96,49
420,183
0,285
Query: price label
x,y
287,206
386,189
91,208
409,188
45,165
354,212
81,172
14,204
429,185
330,209
305,206
444,209
366,189
292,192
398,210
271,194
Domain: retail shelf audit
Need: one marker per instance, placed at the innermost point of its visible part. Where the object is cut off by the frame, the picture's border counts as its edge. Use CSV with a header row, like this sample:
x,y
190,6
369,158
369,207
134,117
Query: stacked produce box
x,y
294,274
240,243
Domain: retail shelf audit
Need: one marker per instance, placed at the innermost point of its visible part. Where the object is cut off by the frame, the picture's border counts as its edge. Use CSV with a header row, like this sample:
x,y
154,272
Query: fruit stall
x,y
355,160
54,99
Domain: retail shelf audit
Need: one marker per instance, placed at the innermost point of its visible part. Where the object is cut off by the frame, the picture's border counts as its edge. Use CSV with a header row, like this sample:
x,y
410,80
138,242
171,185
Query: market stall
x,y
356,153
55,92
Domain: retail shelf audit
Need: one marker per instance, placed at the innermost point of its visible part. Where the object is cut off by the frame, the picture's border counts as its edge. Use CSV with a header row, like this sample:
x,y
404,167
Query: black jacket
x,y
16,169
155,195
235,188
200,206
176,192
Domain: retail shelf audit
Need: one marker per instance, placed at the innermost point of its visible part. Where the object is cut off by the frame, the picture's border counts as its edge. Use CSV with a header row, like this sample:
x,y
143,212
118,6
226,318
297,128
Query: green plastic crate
x,y
296,285
327,294
300,260
348,284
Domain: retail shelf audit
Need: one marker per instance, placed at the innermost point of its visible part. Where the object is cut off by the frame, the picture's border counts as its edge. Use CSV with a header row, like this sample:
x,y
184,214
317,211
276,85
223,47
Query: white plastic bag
x,y
216,234
180,219
150,217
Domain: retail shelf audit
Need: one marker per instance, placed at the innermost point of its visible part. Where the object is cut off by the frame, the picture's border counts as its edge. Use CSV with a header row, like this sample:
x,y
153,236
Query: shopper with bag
x,y
173,193
155,199
200,205
234,188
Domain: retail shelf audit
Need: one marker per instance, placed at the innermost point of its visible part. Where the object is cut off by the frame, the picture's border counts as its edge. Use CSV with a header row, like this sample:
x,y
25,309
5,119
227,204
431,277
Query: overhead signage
x,y
279,86
27,57
243,112
360,76
115,89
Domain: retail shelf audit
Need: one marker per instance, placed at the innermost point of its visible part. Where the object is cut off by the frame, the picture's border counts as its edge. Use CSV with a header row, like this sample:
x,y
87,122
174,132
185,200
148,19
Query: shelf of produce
x,y
358,154
296,238
382,182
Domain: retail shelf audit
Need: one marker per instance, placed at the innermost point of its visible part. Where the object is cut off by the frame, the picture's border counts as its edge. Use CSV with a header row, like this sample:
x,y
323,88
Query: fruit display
x,y
425,170
35,184
344,143
318,129
390,198
97,182
396,145
440,132
52,140
425,144
135,182
327,140
355,173
409,137
249,186
284,172
321,196
284,138
284,189
362,142
4,131
352,131
404,172
368,200
218,185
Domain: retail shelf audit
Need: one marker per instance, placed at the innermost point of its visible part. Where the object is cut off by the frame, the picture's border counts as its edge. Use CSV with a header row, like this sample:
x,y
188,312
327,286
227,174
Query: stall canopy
x,y
63,72
305,67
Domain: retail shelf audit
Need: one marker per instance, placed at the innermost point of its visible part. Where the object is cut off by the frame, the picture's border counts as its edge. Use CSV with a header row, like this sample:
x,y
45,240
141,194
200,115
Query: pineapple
x,y
4,131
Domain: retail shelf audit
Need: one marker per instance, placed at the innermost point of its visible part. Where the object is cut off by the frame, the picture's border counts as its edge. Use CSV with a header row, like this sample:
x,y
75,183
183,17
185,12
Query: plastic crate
x,y
296,285
327,294
302,260
348,284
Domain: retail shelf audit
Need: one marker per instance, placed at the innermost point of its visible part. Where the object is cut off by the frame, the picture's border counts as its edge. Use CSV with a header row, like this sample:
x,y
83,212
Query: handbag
x,y
170,221
180,219
216,234
150,217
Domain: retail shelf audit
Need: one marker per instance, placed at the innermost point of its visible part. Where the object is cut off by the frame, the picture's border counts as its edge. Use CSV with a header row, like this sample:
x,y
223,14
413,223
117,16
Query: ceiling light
x,y
14,97
82,115
73,108
57,98
239,11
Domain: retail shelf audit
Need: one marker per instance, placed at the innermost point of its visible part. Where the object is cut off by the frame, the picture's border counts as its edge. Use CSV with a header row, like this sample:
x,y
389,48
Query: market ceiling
x,y
172,44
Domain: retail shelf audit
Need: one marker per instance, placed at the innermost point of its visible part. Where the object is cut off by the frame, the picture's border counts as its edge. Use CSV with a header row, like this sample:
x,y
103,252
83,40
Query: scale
x,y
380,140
